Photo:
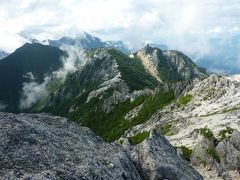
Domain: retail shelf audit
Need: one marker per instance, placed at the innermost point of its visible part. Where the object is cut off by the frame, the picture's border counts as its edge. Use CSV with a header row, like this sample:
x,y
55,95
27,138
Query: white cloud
x,y
186,25
33,91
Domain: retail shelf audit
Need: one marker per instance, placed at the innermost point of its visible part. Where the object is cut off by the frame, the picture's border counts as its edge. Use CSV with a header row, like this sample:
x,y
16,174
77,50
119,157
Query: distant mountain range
x,y
86,41
221,61
89,41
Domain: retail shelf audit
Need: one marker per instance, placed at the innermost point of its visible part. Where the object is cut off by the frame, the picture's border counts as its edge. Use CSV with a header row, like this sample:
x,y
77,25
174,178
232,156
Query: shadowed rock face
x,y
169,65
39,146
155,159
229,152
44,147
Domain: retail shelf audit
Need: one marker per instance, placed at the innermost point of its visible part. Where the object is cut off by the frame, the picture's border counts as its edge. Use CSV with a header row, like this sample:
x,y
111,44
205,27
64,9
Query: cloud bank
x,y
32,91
201,29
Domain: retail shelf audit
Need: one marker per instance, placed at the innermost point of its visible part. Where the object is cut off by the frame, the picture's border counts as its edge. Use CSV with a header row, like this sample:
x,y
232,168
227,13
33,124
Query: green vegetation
x,y
210,92
169,72
206,132
51,88
223,132
72,94
212,152
69,99
166,70
121,141
35,58
224,91
199,104
210,114
133,72
165,129
138,138
90,53
184,100
237,107
205,98
186,153
110,126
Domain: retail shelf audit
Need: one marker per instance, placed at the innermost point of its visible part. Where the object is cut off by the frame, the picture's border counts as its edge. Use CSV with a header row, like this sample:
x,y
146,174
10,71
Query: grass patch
x,y
206,132
184,100
222,133
205,98
237,107
138,138
213,153
186,152
210,92
165,129
121,141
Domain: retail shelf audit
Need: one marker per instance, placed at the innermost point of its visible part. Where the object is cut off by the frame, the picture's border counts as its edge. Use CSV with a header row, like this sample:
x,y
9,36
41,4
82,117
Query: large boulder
x,y
204,153
157,159
235,139
229,155
200,155
45,147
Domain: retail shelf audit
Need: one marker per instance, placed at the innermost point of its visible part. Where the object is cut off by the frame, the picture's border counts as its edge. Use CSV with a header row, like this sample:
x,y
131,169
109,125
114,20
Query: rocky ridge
x,y
39,146
169,65
209,105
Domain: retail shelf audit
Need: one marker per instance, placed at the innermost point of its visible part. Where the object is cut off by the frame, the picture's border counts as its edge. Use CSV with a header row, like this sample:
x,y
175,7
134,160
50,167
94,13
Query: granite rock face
x,y
40,146
157,159
229,155
235,139
229,152
199,154
45,147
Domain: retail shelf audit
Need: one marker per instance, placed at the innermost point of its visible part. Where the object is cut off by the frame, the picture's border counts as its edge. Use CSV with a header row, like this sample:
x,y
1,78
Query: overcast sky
x,y
196,27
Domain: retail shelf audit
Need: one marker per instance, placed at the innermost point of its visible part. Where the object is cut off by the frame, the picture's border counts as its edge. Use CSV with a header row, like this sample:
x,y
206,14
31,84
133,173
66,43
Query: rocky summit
x,y
39,146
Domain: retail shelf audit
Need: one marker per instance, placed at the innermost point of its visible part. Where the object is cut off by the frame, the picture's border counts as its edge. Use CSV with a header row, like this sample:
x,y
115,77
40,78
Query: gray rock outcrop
x,y
175,61
40,146
235,139
200,155
229,152
157,159
229,155
45,147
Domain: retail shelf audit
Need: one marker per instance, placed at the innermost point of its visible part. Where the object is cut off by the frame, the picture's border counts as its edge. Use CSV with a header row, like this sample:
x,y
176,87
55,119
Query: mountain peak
x,y
168,65
35,59
148,49
85,40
